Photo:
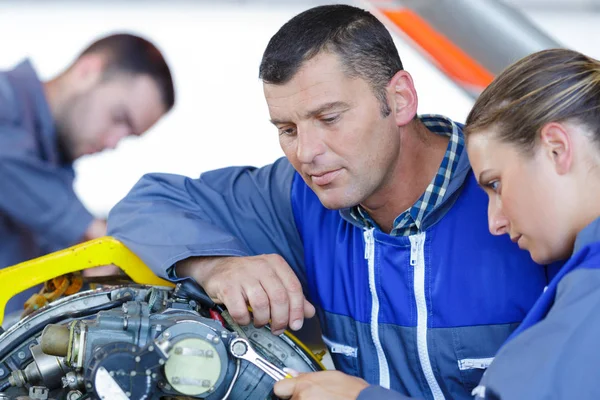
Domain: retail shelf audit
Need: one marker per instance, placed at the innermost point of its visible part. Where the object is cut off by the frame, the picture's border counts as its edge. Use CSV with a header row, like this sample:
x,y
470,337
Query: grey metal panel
x,y
492,32
566,5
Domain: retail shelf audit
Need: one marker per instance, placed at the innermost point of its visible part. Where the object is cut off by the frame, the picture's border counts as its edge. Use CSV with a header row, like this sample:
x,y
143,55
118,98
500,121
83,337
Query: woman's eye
x,y
494,185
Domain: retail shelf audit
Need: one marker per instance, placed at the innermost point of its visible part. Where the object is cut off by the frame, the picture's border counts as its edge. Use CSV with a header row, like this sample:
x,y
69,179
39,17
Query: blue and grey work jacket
x,y
554,353
39,210
423,315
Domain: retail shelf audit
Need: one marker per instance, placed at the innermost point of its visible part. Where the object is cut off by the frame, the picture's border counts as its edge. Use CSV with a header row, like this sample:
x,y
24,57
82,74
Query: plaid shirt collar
x,y
409,222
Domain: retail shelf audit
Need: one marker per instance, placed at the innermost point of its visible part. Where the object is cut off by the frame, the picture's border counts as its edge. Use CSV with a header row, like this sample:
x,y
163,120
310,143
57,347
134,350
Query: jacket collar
x,y
588,235
458,179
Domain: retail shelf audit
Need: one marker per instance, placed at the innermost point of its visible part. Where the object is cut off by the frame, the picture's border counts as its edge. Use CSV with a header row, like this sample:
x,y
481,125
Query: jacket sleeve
x,y
238,211
558,356
374,392
40,197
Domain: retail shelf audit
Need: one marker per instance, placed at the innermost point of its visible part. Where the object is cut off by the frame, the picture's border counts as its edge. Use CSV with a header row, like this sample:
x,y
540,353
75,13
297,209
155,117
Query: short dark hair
x,y
362,42
132,54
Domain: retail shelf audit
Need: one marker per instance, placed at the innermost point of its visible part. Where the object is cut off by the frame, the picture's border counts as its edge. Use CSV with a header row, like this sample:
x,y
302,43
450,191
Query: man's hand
x,y
266,283
105,270
96,229
331,385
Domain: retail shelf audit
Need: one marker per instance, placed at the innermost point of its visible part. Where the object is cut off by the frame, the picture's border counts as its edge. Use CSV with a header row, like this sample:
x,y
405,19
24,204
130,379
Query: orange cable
x,y
452,60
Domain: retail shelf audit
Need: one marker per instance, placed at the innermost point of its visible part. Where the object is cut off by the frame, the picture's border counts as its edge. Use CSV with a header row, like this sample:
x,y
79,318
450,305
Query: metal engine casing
x,y
138,342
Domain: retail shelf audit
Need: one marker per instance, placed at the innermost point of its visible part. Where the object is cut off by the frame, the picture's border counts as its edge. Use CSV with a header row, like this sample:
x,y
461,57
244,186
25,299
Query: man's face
x,y
332,131
120,106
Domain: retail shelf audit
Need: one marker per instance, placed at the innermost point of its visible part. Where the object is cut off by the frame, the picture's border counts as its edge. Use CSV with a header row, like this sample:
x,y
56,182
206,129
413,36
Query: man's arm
x,y
96,230
40,197
234,227
241,211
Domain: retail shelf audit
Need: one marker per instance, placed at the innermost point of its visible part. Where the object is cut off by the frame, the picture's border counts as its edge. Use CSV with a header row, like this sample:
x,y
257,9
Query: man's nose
x,y
310,145
114,137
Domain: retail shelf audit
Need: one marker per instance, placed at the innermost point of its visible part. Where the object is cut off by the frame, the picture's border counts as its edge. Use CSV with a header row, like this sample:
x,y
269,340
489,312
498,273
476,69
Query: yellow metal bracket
x,y
95,253
317,358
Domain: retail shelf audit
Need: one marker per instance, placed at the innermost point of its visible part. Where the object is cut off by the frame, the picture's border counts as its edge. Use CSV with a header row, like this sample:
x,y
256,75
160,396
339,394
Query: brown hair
x,y
363,44
547,86
133,54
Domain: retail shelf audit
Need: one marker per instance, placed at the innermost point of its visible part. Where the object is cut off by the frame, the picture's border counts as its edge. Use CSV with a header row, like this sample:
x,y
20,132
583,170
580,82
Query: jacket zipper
x,y
384,372
474,363
417,261
338,348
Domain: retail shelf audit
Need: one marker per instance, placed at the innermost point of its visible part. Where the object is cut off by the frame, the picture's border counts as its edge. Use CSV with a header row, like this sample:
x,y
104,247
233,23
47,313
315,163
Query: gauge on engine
x,y
193,366
122,371
107,387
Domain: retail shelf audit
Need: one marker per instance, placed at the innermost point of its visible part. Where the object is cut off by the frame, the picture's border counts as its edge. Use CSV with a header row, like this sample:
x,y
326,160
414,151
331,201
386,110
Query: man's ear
x,y
403,98
87,71
556,143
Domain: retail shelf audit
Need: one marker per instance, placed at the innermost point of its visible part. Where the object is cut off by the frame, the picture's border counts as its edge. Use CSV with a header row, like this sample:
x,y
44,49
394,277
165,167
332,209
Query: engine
x,y
139,342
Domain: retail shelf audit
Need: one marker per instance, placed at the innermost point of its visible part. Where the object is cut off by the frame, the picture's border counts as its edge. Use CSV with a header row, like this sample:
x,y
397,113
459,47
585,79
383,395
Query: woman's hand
x,y
331,385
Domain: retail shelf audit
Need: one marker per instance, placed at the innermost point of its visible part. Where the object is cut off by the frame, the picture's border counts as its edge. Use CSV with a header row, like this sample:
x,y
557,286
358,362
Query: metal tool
x,y
240,348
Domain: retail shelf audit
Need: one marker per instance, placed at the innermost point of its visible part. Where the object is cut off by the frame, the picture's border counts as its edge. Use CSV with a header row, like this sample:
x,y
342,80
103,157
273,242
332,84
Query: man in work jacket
x,y
373,215
119,86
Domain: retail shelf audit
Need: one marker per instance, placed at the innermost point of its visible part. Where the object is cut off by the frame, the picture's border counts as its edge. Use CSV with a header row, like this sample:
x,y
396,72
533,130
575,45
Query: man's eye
x,y
289,131
330,119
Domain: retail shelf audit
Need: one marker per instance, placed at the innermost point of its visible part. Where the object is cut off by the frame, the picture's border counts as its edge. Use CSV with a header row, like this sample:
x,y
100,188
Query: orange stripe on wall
x,y
451,59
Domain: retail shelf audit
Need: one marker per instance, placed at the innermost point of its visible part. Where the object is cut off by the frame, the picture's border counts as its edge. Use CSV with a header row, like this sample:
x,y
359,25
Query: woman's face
x,y
526,196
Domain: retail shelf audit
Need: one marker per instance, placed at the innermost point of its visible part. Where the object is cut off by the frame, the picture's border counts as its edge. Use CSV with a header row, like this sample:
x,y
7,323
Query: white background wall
x,y
214,50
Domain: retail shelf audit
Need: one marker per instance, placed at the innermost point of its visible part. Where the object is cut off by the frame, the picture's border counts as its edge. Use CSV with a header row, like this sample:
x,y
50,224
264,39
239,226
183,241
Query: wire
x,y
233,380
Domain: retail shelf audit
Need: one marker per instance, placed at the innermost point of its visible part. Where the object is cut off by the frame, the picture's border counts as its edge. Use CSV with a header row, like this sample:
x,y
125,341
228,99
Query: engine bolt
x,y
74,395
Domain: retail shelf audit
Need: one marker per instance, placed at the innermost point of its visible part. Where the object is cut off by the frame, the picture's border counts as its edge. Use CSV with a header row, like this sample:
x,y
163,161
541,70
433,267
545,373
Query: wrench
x,y
240,348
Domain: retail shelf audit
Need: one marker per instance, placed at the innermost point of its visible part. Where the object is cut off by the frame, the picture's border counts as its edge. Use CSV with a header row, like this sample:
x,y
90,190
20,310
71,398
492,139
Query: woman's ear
x,y
403,98
556,142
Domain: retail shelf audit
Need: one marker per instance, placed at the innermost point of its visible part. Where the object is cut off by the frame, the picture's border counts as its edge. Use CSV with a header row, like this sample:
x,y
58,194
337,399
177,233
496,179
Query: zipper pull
x,y
414,251
368,235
